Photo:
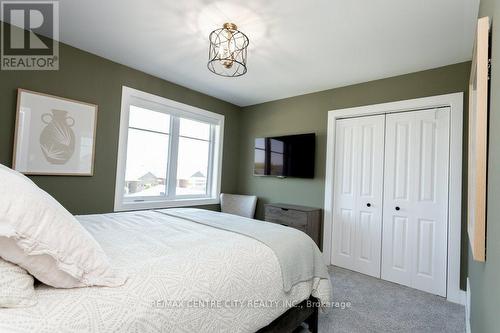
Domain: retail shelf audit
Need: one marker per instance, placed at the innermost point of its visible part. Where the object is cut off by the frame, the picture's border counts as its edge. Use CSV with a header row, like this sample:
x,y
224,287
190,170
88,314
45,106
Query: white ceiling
x,y
296,47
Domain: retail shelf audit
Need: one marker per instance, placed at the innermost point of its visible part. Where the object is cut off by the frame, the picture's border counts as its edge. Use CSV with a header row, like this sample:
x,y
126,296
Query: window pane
x,y
149,120
192,167
194,129
147,155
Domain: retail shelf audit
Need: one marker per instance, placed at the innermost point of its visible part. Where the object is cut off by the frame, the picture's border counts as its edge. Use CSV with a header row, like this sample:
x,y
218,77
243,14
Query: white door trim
x,y
455,102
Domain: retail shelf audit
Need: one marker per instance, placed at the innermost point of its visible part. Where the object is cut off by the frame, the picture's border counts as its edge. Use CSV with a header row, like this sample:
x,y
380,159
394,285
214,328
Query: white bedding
x,y
174,268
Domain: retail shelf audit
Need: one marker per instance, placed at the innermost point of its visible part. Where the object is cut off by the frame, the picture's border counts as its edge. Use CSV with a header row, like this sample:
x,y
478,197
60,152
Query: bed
x,y
183,276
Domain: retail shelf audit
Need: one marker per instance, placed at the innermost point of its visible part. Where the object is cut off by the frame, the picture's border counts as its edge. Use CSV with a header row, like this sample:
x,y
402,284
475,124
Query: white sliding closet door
x,y
357,227
415,241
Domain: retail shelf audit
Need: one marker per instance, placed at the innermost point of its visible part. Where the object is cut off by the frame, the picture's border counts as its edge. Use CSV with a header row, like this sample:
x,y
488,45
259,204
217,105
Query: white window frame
x,y
146,100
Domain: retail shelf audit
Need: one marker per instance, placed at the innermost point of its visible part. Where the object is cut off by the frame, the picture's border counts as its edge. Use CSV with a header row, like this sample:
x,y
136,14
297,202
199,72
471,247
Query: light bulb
x,y
227,55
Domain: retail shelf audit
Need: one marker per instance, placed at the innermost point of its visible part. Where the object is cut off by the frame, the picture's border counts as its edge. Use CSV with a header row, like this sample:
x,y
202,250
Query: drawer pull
x,y
285,209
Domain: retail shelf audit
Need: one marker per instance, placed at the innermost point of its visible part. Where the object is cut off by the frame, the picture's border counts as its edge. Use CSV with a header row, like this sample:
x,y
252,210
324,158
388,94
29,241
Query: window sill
x,y
126,206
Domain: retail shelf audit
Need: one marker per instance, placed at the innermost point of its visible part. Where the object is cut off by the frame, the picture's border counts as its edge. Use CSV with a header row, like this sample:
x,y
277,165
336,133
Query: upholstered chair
x,y
242,205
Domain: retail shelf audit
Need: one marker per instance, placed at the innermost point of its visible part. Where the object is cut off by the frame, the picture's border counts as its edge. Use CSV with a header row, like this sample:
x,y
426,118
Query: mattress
x,y
182,277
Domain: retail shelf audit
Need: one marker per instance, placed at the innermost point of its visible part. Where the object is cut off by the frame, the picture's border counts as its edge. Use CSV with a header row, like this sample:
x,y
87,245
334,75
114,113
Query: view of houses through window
x,y
193,156
149,161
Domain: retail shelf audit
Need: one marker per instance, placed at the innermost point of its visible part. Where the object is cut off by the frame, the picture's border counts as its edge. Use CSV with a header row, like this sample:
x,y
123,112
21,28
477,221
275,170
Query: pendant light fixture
x,y
227,55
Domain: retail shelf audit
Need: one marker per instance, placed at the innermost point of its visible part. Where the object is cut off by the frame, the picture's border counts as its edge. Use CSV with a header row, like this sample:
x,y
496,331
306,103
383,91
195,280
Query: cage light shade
x,y
227,55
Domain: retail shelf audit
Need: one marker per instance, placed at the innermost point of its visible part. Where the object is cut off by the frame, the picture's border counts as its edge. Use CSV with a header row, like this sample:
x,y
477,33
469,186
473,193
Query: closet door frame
x,y
455,103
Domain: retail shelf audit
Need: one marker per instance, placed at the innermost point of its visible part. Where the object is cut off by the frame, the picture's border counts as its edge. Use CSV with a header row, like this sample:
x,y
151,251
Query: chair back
x,y
236,204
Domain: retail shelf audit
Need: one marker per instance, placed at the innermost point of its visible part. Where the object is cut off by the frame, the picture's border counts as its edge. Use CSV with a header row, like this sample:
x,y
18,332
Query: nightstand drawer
x,y
285,216
306,219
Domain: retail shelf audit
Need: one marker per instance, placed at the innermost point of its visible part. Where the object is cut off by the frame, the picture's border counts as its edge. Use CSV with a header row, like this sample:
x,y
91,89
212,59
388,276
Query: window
x,y
169,153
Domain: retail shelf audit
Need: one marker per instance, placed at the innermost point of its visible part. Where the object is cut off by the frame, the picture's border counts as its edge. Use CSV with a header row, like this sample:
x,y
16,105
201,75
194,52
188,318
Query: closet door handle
x,y
368,205
397,208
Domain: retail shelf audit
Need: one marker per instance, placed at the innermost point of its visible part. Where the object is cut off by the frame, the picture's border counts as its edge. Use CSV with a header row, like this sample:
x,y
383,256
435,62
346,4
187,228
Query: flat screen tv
x,y
285,156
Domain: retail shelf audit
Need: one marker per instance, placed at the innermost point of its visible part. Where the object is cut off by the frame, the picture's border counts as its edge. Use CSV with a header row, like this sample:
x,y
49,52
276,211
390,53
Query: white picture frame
x,y
54,135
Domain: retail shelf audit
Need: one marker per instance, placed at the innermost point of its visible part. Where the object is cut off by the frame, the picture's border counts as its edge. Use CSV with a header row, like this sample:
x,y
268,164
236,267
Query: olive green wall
x,y
89,78
485,277
308,113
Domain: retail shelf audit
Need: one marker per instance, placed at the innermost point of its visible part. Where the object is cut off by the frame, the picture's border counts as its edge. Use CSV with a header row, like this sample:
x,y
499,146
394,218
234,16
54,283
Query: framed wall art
x,y
478,141
54,135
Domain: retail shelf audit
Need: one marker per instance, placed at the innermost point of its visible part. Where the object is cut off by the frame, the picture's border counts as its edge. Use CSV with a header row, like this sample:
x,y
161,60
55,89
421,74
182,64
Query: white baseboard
x,y
467,308
457,296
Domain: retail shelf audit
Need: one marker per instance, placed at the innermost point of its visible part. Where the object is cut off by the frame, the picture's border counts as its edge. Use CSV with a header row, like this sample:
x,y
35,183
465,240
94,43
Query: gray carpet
x,y
381,306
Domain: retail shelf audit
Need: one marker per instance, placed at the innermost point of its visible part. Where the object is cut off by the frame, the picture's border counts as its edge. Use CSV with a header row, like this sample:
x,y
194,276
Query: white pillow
x,y
41,236
16,286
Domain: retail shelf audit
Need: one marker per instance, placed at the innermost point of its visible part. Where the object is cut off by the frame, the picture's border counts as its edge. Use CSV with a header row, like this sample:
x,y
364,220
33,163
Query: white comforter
x,y
183,277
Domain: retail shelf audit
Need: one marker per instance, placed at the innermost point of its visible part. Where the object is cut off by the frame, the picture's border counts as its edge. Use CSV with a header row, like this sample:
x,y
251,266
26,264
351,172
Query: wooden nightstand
x,y
306,219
